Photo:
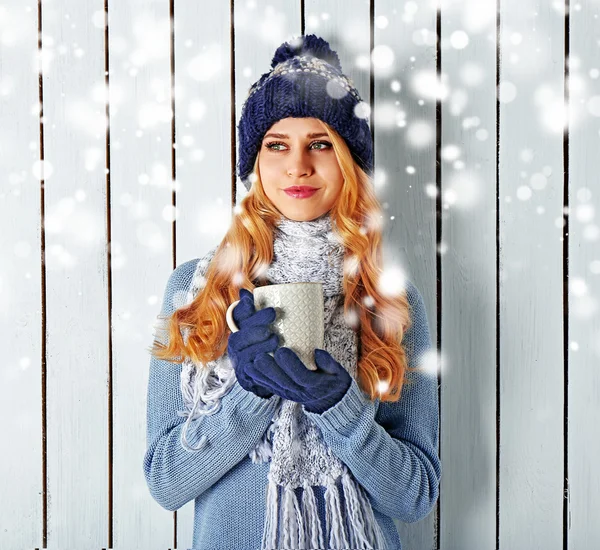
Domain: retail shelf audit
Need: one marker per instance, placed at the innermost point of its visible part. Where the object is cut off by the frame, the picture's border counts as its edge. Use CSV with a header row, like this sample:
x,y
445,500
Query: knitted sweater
x,y
391,448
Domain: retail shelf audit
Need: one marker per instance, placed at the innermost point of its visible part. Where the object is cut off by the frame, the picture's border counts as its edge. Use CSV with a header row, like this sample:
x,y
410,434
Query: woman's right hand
x,y
253,337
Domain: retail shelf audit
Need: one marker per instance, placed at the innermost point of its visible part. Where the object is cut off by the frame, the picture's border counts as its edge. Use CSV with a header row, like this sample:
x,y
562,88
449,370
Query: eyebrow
x,y
285,136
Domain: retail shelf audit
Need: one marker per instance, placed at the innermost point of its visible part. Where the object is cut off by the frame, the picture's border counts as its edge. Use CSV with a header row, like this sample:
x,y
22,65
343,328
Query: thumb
x,y
325,361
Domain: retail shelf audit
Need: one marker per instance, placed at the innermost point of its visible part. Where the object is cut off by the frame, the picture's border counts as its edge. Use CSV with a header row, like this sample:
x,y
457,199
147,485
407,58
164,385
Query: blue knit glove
x,y
253,337
287,376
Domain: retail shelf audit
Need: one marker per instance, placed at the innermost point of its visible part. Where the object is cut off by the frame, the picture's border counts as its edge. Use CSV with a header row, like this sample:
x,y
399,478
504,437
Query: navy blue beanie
x,y
306,80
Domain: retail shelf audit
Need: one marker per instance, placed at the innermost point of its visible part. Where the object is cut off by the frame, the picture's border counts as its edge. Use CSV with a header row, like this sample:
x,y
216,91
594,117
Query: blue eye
x,y
271,145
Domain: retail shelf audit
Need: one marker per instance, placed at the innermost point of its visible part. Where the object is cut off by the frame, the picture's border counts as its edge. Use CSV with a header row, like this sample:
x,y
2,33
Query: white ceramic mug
x,y
299,320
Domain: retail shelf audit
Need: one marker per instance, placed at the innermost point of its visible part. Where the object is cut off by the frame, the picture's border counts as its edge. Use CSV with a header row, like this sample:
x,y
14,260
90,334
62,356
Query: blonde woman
x,y
273,454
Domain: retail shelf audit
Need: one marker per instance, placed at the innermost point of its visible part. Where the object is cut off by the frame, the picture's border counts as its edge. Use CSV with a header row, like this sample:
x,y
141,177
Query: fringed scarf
x,y
303,252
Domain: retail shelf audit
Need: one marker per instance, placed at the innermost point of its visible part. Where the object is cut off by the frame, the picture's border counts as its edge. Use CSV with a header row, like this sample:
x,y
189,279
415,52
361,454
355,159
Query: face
x,y
290,155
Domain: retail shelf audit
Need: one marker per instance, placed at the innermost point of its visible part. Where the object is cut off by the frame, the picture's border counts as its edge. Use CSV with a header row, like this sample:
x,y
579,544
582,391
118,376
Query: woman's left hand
x,y
287,376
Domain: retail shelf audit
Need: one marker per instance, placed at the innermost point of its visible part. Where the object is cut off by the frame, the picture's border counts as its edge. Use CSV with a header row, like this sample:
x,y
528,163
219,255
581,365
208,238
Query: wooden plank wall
x,y
117,163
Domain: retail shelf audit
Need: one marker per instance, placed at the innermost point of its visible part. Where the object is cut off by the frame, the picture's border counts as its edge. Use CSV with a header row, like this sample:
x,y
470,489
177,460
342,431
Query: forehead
x,y
297,126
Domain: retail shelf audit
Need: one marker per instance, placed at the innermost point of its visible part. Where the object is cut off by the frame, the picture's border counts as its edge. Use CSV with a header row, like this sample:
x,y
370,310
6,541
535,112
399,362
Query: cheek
x,y
333,169
267,169
268,180
335,176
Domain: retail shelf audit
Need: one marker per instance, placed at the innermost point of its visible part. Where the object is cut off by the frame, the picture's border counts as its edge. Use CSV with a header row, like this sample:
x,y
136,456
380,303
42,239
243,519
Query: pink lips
x,y
301,192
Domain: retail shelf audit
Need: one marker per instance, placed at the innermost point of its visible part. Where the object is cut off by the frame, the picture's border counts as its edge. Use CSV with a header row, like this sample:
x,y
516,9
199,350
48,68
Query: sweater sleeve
x,y
391,448
173,474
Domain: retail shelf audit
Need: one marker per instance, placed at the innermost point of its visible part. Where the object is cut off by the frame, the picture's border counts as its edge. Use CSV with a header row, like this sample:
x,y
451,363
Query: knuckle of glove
x,y
249,354
244,307
248,342
262,317
247,336
245,378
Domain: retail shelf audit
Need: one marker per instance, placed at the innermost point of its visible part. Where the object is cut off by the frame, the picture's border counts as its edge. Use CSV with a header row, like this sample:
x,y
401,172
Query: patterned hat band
x,y
309,64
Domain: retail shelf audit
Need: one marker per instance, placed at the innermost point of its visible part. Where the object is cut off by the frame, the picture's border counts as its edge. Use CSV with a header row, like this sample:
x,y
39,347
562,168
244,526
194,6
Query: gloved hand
x,y
253,337
287,376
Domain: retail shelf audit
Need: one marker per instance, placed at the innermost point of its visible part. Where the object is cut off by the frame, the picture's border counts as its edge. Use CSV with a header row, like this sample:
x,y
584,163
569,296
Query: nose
x,y
298,163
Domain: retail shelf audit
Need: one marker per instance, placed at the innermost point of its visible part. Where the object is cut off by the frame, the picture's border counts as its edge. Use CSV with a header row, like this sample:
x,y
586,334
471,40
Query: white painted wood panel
x,y
203,121
405,138
531,315
203,145
468,274
141,248
583,492
77,358
21,500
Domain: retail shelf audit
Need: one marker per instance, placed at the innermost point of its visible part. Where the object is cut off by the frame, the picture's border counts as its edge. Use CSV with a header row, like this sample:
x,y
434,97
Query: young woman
x,y
273,454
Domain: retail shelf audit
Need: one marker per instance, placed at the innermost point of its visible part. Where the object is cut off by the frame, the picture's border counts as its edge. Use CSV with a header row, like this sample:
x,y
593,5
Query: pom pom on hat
x,y
310,44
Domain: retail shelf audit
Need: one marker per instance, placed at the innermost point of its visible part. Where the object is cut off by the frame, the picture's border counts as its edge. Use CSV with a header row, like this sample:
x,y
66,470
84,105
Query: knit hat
x,y
306,80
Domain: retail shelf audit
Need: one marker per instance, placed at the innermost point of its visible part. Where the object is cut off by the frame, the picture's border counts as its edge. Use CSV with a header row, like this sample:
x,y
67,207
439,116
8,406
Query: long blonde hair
x,y
247,250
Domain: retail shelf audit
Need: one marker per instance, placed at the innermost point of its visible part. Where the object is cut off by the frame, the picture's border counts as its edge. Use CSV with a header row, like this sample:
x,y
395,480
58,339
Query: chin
x,y
301,217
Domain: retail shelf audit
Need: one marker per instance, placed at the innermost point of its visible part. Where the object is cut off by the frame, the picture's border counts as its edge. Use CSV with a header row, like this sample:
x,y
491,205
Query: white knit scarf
x,y
303,252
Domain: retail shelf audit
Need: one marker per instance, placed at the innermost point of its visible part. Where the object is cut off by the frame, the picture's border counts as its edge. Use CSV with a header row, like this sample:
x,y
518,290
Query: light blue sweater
x,y
390,448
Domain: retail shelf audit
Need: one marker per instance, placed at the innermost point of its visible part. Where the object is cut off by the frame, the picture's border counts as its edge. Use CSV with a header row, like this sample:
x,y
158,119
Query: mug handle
x,y
229,317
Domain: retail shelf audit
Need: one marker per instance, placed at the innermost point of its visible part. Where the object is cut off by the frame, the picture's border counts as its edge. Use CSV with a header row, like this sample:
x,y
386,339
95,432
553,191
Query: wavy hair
x,y
246,251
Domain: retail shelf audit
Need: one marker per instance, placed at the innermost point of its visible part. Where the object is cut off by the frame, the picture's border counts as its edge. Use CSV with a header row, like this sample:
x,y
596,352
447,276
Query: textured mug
x,y
299,320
